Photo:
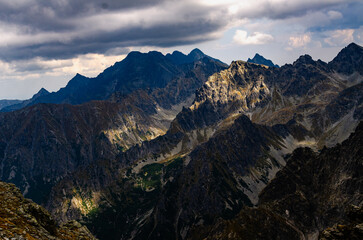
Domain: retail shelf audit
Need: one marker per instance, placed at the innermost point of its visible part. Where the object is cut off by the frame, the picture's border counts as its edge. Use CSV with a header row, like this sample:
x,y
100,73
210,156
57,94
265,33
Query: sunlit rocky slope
x,y
198,150
21,218
213,161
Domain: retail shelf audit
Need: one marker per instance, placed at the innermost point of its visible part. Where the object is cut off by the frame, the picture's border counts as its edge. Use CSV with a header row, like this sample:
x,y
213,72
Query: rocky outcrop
x,y
352,228
312,192
20,218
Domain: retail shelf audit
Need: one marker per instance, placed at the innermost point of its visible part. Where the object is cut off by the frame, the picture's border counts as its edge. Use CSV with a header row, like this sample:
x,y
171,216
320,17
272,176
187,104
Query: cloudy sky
x,y
44,43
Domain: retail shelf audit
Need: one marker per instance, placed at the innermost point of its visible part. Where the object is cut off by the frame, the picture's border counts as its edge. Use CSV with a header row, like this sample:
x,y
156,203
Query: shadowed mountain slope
x,y
312,192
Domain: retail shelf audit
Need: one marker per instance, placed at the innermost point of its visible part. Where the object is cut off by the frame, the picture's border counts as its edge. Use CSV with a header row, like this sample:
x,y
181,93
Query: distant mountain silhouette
x,y
258,59
18,105
137,71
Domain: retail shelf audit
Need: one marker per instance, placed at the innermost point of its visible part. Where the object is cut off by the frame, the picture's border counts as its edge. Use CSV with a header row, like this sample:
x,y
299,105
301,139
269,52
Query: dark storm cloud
x,y
56,15
101,43
63,29
288,8
55,29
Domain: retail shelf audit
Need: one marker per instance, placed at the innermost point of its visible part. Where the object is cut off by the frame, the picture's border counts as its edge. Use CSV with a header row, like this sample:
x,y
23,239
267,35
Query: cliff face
x,y
218,178
157,161
20,218
312,192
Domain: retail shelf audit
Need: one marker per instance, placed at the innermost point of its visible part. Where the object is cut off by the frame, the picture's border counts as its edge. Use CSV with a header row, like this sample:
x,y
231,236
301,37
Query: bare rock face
x,y
43,143
214,161
352,228
20,218
138,173
314,193
348,60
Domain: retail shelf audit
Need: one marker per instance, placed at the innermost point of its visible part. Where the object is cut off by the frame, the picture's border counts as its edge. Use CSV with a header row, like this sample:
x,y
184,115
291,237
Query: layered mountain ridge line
x,y
137,71
64,137
197,124
149,184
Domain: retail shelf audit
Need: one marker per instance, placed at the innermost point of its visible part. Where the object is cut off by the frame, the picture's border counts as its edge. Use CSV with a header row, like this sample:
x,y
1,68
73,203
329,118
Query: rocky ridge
x,y
43,143
20,218
155,187
306,87
314,195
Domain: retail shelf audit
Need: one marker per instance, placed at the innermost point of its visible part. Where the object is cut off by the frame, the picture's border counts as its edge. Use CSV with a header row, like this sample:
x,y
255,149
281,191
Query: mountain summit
x,y
348,60
258,59
180,58
137,71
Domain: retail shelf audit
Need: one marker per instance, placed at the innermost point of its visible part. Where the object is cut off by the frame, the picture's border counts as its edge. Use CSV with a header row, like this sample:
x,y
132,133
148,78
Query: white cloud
x,y
90,65
299,41
21,79
241,37
339,37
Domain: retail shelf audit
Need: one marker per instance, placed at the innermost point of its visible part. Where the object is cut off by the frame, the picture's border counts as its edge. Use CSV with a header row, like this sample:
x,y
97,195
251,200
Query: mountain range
x,y
187,147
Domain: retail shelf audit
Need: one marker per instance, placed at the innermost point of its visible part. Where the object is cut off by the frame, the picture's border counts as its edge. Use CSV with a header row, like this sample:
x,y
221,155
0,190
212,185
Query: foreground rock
x,y
20,218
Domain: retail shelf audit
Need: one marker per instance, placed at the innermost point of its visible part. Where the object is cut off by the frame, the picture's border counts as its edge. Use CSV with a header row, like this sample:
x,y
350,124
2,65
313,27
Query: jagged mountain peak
x,y
304,59
77,81
41,92
354,46
348,60
259,59
133,53
156,53
137,54
180,58
78,75
196,54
